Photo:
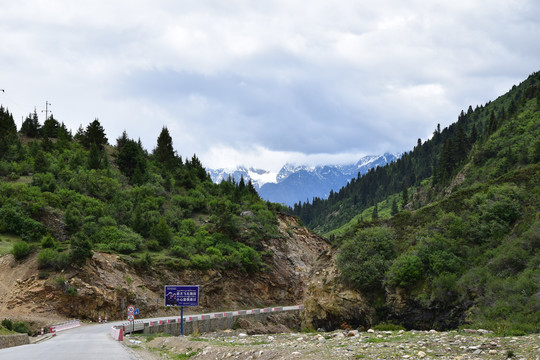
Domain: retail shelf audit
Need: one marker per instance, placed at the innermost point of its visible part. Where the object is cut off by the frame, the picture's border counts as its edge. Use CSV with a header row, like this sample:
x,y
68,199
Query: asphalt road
x,y
87,342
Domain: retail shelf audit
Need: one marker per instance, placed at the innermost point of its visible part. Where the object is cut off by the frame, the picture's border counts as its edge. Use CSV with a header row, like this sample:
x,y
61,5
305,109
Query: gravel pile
x,y
467,344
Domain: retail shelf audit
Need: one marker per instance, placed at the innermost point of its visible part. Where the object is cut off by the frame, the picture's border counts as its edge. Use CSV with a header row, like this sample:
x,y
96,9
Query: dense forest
x,y
459,239
66,195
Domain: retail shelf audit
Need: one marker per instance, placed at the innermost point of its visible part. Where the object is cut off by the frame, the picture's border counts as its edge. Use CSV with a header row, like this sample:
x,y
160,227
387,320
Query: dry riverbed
x,y
469,344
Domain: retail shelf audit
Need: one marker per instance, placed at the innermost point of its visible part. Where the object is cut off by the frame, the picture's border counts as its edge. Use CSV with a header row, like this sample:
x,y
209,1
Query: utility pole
x,y
47,104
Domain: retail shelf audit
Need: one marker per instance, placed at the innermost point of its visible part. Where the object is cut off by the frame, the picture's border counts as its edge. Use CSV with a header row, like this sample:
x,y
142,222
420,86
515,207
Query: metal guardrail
x,y
65,325
140,324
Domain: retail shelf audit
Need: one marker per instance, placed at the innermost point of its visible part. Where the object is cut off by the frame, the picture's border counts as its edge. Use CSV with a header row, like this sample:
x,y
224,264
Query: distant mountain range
x,y
300,183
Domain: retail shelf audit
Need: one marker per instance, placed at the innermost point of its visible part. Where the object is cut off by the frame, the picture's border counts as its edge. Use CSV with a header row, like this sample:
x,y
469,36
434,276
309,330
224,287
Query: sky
x,y
261,83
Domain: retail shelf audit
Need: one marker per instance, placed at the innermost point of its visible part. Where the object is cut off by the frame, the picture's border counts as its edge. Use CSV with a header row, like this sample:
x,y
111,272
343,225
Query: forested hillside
x,y
66,195
463,245
438,159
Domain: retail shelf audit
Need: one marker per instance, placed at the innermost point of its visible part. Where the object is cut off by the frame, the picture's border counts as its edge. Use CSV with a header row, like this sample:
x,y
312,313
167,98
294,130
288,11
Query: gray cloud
x,y
266,82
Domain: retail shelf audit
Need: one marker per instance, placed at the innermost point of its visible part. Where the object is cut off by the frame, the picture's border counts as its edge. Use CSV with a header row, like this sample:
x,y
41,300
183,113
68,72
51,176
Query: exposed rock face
x,y
97,289
329,304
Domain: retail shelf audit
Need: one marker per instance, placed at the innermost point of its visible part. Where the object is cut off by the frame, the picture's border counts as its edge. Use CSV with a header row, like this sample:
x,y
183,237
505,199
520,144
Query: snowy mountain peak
x,y
294,183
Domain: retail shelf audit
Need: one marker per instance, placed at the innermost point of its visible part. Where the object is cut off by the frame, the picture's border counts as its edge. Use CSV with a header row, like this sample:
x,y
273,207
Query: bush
x,y
81,250
21,327
364,259
21,250
47,242
47,259
405,270
153,245
8,324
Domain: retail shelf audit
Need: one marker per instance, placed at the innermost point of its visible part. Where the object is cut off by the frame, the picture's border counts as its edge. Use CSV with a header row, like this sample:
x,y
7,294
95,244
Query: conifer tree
x,y
7,125
394,210
7,131
94,134
50,128
461,145
474,134
375,213
31,126
164,151
404,196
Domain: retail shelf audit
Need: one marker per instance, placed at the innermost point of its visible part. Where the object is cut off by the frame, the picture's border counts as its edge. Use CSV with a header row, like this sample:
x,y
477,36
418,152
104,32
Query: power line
x,y
47,104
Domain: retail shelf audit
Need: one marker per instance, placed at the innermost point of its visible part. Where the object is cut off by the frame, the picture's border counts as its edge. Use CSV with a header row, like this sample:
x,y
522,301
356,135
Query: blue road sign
x,y
181,295
136,312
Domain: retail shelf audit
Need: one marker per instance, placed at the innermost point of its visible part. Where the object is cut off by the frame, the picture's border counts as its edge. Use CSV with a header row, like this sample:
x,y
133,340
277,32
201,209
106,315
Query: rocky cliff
x,y
328,303
97,288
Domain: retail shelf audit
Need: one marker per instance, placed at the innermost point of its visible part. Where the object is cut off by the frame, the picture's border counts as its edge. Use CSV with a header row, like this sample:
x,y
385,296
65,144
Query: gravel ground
x,y
468,344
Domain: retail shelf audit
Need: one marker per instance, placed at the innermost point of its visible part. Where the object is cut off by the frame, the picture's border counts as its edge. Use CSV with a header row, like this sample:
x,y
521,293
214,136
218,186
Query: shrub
x,y
152,245
364,259
81,250
47,242
8,324
162,233
444,289
32,230
405,270
21,327
47,258
20,250
73,219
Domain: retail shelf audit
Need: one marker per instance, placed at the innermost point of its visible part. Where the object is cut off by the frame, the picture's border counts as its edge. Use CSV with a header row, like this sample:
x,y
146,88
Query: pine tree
x,y
394,207
50,128
492,125
164,151
7,125
8,130
461,145
131,161
375,213
404,197
474,134
31,126
94,134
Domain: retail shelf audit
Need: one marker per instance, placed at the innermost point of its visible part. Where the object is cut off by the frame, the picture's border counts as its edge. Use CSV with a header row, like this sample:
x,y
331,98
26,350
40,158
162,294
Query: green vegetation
x,y
67,196
463,245
9,327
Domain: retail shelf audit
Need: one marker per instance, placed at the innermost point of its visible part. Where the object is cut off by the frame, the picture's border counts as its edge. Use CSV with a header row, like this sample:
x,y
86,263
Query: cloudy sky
x,y
260,83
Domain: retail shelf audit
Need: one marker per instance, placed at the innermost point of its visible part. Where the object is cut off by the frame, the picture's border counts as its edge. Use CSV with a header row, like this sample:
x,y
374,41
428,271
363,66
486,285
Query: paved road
x,y
88,342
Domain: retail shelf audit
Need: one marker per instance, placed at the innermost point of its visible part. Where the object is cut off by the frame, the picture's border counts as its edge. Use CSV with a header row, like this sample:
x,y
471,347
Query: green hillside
x,y
438,159
66,196
463,247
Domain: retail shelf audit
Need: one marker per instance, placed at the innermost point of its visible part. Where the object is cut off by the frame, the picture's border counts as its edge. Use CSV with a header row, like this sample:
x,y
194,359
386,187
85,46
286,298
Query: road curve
x,y
87,342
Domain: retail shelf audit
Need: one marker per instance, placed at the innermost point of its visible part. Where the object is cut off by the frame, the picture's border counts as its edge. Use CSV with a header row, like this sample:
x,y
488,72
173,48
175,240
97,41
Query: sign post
x,y
181,295
131,317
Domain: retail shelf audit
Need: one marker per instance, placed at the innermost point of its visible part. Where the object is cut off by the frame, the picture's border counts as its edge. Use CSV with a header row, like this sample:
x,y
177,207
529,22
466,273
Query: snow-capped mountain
x,y
258,177
300,183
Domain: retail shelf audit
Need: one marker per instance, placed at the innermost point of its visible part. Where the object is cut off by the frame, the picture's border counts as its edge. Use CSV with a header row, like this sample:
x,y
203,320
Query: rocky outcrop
x,y
328,303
